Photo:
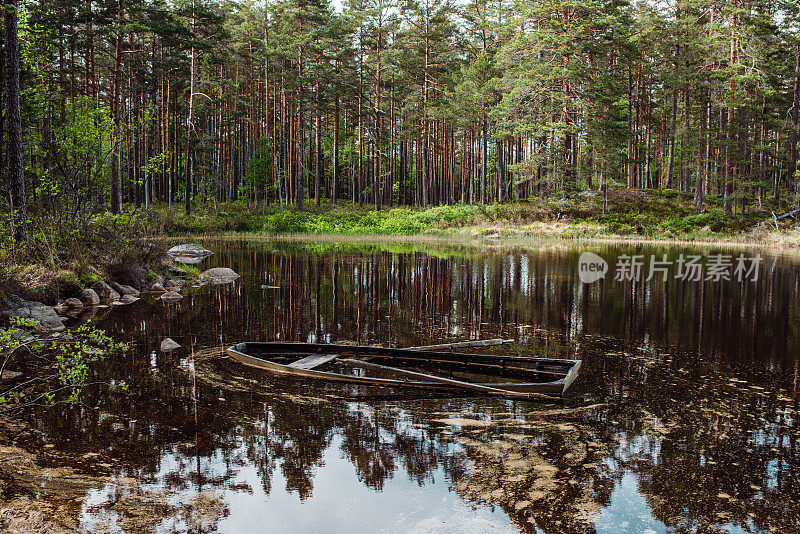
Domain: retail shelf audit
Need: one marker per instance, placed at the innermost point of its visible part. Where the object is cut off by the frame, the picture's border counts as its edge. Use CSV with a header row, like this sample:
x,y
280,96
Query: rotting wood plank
x,y
315,360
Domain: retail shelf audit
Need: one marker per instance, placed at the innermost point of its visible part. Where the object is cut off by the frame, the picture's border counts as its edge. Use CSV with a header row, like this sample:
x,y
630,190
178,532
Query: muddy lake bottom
x,y
683,419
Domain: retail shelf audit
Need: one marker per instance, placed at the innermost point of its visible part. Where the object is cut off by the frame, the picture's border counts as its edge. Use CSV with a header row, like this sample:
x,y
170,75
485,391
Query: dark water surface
x,y
684,417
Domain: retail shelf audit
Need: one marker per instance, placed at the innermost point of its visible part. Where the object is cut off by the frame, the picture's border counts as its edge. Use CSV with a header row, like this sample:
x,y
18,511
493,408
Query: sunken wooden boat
x,y
504,376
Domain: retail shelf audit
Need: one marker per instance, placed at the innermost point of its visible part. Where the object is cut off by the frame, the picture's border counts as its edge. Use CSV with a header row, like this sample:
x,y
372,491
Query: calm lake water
x,y
683,419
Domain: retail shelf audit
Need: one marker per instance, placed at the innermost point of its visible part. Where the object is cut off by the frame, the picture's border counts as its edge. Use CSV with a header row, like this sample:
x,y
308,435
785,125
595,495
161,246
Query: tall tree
x,y
16,170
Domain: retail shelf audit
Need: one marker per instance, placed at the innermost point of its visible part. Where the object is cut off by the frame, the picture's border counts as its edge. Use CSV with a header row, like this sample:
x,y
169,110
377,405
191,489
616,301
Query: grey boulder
x,y
171,295
127,299
124,290
73,303
105,292
47,316
169,344
89,297
189,253
172,285
219,275
157,288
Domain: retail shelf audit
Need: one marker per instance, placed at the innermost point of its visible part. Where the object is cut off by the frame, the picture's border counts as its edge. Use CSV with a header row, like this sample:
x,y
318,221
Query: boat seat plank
x,y
315,360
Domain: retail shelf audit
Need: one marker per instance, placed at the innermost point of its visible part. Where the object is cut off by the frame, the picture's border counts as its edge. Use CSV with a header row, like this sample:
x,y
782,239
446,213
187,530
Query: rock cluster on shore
x,y
108,294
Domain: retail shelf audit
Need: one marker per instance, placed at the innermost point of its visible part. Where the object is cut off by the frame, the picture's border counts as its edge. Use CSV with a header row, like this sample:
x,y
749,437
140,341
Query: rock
x,y
189,253
124,290
169,344
47,317
171,285
128,299
171,295
73,303
157,288
105,292
89,297
116,287
219,275
61,308
189,249
130,274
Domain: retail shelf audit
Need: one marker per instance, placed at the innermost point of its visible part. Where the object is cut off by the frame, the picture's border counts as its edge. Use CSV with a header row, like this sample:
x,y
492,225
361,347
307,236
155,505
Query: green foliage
x,y
85,346
23,322
65,365
260,166
72,163
399,221
713,220
587,89
646,213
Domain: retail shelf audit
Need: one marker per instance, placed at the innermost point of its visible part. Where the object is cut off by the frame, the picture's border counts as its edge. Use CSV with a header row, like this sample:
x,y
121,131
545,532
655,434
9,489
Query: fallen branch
x,y
776,218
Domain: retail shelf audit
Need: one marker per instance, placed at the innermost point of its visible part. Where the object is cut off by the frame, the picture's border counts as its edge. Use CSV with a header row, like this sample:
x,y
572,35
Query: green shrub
x,y
64,367
400,226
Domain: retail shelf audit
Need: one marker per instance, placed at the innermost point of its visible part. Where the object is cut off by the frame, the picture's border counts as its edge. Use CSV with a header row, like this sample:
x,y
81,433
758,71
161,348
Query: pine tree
x,y
16,170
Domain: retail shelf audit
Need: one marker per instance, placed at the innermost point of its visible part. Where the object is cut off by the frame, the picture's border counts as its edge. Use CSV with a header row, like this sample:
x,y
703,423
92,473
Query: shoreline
x,y
471,238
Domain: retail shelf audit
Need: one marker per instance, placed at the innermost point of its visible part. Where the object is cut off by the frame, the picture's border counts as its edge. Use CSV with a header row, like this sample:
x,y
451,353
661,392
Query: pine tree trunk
x,y
187,193
335,184
673,114
484,157
699,176
376,173
317,148
16,171
727,204
300,173
116,113
793,136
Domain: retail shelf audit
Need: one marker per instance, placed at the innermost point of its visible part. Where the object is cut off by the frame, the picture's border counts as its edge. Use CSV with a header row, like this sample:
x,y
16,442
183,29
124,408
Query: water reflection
x,y
684,418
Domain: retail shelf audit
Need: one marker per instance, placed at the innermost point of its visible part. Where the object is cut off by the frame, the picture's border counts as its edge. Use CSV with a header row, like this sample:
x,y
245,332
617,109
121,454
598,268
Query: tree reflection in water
x,y
692,386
